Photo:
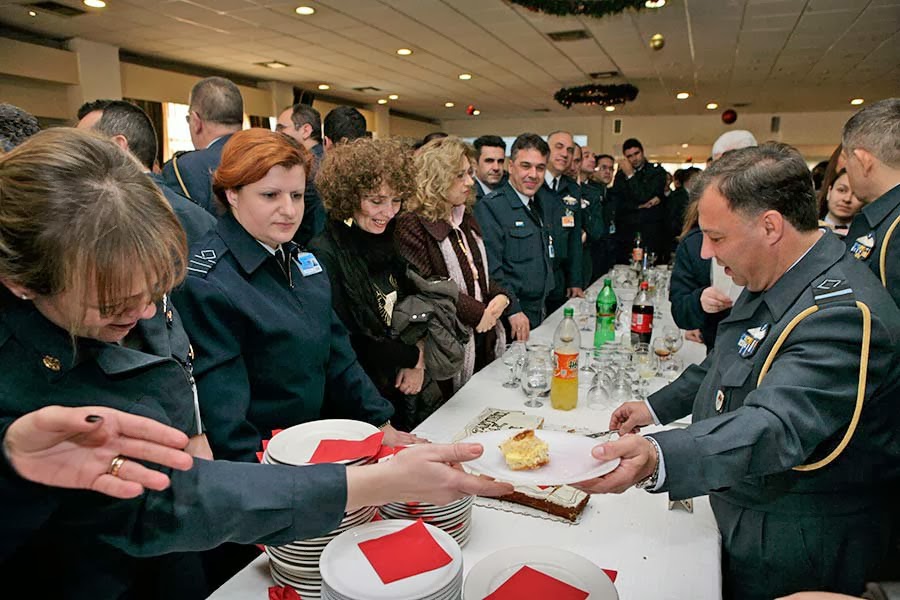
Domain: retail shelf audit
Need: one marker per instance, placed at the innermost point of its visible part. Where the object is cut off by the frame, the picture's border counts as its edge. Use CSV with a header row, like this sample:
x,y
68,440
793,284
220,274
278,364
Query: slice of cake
x,y
525,451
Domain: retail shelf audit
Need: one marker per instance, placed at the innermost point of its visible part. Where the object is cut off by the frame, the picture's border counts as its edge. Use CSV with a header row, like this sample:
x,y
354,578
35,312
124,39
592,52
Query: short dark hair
x,y
130,121
491,141
434,135
218,100
89,107
344,124
529,141
876,128
772,176
16,126
301,114
599,157
684,175
632,143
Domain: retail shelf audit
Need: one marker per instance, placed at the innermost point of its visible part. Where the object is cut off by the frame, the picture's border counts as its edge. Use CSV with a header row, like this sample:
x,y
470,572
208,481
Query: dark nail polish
x,y
93,418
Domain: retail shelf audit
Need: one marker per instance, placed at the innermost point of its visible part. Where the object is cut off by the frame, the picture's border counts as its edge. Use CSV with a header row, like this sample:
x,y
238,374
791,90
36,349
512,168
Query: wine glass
x,y
599,397
645,361
513,358
585,313
661,350
673,338
536,378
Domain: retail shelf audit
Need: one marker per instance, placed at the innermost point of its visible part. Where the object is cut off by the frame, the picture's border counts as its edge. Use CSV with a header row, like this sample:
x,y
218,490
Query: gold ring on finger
x,y
115,465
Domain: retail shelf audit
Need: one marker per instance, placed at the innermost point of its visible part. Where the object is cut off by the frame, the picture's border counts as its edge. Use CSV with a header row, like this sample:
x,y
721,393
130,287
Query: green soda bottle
x,y
606,315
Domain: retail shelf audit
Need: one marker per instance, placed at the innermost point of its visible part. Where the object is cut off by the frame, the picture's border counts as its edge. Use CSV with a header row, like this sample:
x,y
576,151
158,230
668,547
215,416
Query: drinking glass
x,y
661,350
645,361
513,359
673,338
536,378
599,397
585,313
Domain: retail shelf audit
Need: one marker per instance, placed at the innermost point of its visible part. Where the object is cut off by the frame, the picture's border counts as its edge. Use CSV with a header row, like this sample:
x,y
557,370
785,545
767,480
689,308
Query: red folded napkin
x,y
334,450
528,583
405,553
611,574
283,593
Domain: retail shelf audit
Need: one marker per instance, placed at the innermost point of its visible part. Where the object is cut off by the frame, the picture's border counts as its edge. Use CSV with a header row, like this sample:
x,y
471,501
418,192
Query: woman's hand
x,y
428,473
409,381
393,437
76,447
492,312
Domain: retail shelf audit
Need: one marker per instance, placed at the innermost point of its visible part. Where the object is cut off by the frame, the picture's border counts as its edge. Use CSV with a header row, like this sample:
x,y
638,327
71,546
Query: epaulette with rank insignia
x,y
832,289
203,261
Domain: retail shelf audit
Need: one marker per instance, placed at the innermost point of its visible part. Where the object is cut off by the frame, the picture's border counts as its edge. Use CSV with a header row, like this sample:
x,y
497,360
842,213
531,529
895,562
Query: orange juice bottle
x,y
564,387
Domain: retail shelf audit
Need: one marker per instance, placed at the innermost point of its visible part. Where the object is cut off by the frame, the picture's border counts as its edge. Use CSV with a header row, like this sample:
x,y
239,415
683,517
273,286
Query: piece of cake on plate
x,y
525,451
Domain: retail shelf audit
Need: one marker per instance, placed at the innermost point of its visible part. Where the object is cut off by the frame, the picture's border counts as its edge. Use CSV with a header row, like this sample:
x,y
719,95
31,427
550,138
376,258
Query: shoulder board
x,y
203,258
181,153
832,288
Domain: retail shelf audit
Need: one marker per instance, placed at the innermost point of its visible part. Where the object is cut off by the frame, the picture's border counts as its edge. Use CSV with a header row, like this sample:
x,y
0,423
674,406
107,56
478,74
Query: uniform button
x,y
51,362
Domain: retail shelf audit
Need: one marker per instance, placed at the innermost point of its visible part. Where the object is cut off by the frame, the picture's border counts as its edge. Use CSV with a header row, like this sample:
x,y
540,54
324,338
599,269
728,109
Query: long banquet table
x,y
659,553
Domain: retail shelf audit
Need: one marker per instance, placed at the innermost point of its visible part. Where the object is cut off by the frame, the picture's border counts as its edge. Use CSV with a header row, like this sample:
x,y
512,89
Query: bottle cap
x,y
645,285
607,281
568,311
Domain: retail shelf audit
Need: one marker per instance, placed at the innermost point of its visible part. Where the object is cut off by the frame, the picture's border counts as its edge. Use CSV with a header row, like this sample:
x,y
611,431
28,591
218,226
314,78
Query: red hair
x,y
250,154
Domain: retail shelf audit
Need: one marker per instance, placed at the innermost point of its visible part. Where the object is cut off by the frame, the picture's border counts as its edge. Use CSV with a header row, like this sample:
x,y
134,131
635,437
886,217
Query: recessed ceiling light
x,y
655,3
682,95
449,104
610,108
382,101
712,106
857,101
393,97
324,86
465,76
404,51
476,112
95,3
305,10
684,145
273,64
31,13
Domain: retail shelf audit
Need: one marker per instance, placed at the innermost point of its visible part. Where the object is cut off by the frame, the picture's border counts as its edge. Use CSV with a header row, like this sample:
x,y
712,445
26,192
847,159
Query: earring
x,y
25,297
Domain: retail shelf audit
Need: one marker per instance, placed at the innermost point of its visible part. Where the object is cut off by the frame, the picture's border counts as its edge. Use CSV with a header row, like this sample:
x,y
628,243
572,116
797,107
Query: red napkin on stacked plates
x,y
528,583
405,553
336,450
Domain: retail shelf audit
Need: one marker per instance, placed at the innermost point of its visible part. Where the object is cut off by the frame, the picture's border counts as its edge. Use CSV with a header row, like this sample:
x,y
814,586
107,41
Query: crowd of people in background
x,y
272,278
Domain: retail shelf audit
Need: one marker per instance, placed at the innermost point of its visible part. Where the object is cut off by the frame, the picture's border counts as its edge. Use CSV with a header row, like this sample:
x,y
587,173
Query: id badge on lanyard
x,y
550,249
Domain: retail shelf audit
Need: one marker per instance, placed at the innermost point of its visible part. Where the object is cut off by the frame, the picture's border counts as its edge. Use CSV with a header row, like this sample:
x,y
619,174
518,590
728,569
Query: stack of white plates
x,y
297,564
296,445
454,518
348,575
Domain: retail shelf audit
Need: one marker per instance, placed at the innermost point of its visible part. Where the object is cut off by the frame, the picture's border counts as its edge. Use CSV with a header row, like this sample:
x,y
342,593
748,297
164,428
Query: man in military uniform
x,y
640,188
490,154
517,236
131,129
561,201
596,219
872,158
304,124
796,427
216,111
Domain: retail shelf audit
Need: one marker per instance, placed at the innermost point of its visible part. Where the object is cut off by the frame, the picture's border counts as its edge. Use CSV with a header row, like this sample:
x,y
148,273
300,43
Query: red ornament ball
x,y
470,109
729,116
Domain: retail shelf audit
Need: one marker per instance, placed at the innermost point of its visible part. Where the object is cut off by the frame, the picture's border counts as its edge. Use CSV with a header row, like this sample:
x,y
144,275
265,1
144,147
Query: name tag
x,y
568,221
520,223
308,264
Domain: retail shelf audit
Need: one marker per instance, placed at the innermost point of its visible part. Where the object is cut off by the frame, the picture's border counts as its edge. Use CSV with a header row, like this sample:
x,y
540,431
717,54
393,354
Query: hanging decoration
x,y
597,94
657,42
729,116
587,8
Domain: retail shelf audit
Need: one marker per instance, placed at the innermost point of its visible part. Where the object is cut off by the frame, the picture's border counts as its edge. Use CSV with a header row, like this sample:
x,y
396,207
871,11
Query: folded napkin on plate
x,y
283,593
529,583
334,450
405,553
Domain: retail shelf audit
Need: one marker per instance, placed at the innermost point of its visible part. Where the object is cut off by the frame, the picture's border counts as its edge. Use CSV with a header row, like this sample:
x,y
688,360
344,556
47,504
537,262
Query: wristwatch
x,y
649,482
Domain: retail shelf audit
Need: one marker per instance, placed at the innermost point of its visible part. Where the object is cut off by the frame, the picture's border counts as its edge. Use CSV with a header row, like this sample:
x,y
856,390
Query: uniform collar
x,y
877,211
516,198
827,251
247,251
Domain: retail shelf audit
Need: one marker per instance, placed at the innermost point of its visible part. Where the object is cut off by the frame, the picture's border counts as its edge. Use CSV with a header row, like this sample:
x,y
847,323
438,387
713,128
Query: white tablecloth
x,y
659,554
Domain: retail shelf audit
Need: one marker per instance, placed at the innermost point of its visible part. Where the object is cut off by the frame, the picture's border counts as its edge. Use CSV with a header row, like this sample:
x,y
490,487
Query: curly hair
x,y
438,165
354,169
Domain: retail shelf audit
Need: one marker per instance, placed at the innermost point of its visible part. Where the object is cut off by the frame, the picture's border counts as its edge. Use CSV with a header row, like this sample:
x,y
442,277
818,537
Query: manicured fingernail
x,y
598,452
93,418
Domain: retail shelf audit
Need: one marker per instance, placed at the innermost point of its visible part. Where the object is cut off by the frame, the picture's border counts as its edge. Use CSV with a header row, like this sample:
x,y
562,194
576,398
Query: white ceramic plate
x,y
348,572
570,459
493,571
297,444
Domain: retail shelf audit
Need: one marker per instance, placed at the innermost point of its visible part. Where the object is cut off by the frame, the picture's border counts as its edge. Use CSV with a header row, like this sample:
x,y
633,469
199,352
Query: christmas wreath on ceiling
x,y
589,8
597,94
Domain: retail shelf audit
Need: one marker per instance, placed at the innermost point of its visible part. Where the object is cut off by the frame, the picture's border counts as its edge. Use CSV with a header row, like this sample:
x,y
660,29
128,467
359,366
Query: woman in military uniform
x,y
89,249
258,311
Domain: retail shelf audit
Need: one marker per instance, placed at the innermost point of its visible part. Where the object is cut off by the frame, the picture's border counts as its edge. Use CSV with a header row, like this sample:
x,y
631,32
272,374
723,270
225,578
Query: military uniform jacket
x,y
745,439
195,221
517,244
871,226
265,350
647,182
196,169
562,214
91,538
593,211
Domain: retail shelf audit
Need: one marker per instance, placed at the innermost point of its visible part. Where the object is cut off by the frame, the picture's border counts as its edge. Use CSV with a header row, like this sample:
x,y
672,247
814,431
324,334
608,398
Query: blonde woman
x,y
439,236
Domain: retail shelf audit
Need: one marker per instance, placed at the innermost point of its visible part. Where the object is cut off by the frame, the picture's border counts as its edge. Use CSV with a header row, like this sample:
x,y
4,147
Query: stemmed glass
x,y
673,338
536,378
645,361
585,313
513,358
